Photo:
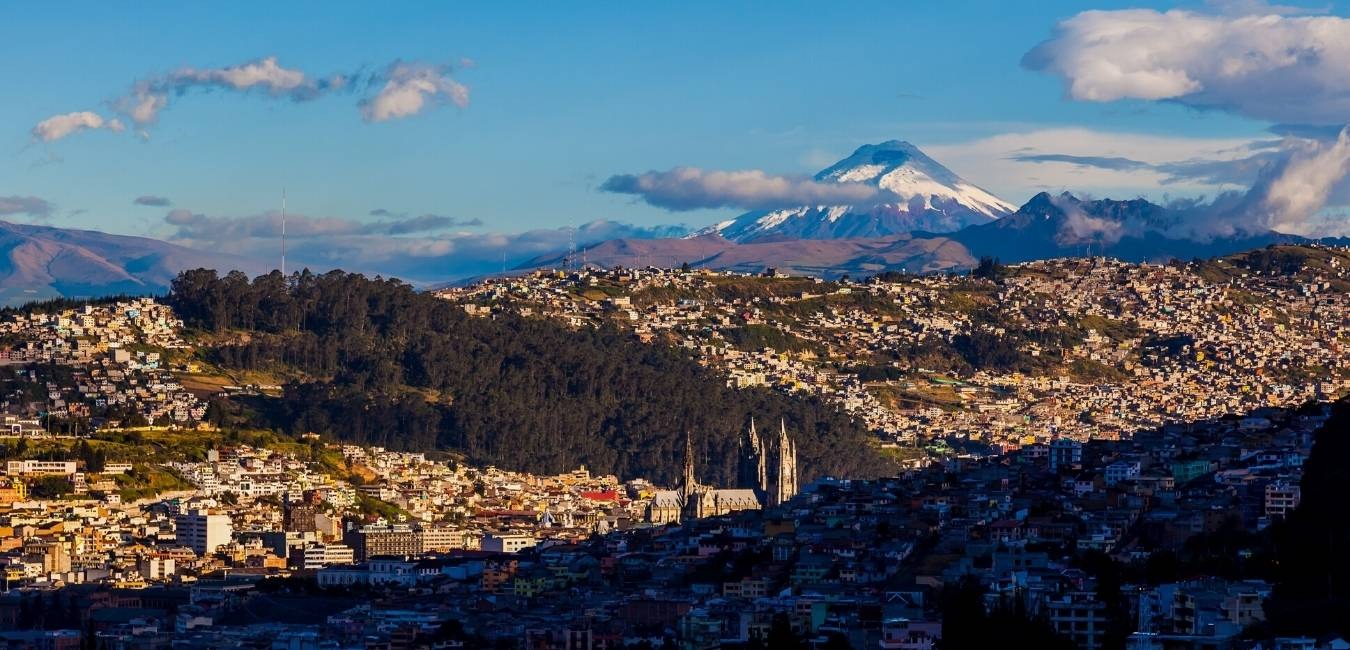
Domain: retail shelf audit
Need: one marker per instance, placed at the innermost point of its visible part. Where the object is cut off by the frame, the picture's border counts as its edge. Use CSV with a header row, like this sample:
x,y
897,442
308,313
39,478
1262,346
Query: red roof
x,y
603,495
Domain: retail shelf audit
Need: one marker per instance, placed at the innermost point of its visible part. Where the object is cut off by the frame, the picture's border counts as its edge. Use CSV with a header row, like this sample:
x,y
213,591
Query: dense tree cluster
x,y
968,622
1273,260
391,366
989,268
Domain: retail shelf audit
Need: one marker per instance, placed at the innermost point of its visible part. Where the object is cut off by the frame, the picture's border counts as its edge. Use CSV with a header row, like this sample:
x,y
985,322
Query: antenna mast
x,y
283,232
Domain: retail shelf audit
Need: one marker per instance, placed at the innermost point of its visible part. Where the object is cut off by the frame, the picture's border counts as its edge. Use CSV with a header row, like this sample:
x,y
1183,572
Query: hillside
x,y
1090,347
43,262
829,258
407,370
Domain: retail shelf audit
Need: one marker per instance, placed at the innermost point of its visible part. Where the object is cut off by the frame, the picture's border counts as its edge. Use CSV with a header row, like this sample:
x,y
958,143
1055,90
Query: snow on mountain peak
x,y
917,193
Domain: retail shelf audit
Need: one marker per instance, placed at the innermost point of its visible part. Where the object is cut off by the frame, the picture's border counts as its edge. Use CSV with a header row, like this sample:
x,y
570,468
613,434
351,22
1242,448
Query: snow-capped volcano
x,y
915,192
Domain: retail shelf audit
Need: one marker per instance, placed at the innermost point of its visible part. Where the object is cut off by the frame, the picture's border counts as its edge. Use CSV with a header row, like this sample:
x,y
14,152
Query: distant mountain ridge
x,y
1135,230
1047,226
914,191
42,262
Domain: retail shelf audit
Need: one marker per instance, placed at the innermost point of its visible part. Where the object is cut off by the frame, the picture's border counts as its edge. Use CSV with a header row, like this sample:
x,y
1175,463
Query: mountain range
x,y
41,262
1049,226
924,219
930,220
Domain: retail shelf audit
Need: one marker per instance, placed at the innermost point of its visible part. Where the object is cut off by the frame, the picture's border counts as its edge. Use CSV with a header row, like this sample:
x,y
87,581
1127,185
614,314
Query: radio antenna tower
x,y
571,262
283,232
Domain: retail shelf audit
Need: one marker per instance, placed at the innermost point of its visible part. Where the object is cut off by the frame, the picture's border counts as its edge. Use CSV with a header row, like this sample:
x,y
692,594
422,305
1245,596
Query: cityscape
x,y
587,327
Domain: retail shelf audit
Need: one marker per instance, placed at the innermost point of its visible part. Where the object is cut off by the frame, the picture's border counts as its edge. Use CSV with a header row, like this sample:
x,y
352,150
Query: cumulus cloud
x,y
410,87
60,126
691,188
404,89
1245,57
31,206
1290,189
152,201
1253,60
1297,190
148,97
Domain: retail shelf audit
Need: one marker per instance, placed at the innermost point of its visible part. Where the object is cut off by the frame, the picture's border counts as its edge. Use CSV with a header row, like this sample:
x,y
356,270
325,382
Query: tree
x,y
966,623
989,269
781,634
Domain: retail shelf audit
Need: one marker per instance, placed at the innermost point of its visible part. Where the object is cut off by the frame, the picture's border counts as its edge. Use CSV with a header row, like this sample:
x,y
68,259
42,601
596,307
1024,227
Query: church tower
x,y
753,464
785,480
688,484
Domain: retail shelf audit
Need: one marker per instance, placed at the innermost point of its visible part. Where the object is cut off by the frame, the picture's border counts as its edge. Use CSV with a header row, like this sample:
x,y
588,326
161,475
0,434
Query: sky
x,y
448,130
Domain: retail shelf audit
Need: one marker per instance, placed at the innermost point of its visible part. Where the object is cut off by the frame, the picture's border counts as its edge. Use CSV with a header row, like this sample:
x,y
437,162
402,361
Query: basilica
x,y
754,488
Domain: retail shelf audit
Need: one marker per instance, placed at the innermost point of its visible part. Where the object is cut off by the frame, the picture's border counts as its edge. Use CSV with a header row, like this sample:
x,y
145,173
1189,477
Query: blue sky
x,y
561,96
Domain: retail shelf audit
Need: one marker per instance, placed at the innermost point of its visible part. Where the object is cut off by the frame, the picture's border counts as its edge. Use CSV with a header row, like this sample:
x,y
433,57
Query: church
x,y
754,490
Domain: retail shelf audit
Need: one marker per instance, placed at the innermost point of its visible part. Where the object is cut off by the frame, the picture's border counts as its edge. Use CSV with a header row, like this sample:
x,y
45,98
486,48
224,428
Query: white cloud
x,y
691,188
60,126
1301,189
405,89
148,97
1265,65
1008,165
408,87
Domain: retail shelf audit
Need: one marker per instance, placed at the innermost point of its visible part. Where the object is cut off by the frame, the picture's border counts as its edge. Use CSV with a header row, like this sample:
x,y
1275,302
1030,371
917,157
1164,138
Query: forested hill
x,y
407,370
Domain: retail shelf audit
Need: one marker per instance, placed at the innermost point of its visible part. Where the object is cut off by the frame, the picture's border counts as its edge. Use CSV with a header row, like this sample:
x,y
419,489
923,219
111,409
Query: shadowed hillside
x,y
407,370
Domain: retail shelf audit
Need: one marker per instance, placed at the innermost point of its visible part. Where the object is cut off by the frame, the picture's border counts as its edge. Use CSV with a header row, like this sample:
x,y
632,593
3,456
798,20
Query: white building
x,y
1121,471
42,467
440,539
322,555
203,531
155,568
507,542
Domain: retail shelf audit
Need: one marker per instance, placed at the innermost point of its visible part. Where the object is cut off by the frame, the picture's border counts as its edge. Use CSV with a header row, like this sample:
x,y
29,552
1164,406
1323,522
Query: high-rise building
x,y
317,556
1065,454
204,531
374,541
440,538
